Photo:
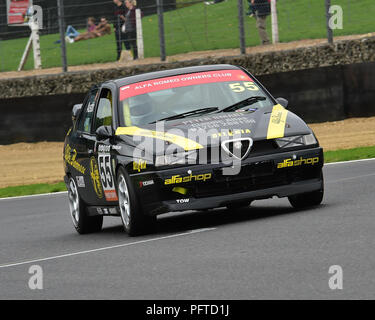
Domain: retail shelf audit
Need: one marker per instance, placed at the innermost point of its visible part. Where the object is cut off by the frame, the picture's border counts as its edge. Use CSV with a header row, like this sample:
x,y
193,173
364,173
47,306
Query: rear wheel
x,y
134,220
78,212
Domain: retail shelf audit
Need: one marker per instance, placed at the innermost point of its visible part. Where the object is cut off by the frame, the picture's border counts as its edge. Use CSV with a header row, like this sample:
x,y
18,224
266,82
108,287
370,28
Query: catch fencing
x,y
174,27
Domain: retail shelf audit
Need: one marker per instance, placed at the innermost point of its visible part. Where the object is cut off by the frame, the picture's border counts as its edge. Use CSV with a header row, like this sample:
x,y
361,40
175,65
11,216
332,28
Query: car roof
x,y
172,72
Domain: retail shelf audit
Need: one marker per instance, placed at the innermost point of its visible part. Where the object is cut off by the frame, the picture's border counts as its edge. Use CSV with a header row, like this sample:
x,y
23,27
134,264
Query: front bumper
x,y
280,174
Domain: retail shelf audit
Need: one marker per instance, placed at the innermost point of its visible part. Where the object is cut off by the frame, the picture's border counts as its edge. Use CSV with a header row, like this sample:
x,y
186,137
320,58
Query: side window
x,y
88,113
104,111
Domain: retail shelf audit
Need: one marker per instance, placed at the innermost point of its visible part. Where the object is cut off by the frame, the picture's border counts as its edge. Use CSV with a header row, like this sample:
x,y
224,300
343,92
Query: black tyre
x,y
238,205
310,199
82,222
306,200
134,220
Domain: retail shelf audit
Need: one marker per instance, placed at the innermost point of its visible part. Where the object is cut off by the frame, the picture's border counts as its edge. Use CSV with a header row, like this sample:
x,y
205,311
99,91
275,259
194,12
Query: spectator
x,y
119,20
262,9
100,30
71,33
131,28
251,10
91,24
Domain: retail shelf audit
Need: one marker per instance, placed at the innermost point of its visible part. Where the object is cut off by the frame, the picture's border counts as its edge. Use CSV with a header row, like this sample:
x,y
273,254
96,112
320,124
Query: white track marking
x,y
105,248
34,195
349,161
351,178
62,192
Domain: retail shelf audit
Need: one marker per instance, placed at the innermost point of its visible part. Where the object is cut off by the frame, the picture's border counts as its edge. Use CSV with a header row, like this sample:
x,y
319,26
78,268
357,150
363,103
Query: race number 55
x,y
238,87
106,171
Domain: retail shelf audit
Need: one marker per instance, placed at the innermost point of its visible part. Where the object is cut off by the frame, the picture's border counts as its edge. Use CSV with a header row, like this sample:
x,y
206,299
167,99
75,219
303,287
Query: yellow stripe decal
x,y
180,190
127,117
183,142
276,126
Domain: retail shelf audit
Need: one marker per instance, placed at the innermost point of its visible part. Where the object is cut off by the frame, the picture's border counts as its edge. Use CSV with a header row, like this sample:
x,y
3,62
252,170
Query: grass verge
x,y
349,154
329,156
31,189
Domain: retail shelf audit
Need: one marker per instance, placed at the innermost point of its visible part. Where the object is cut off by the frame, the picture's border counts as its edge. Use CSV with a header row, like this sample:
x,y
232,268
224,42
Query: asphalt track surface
x,y
267,251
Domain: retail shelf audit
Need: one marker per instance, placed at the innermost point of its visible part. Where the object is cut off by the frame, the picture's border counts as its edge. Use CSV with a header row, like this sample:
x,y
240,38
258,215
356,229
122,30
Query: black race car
x,y
185,139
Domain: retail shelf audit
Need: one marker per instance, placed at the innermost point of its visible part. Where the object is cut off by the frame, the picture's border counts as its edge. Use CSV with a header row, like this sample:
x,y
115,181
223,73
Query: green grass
x,y
31,189
329,156
349,154
200,27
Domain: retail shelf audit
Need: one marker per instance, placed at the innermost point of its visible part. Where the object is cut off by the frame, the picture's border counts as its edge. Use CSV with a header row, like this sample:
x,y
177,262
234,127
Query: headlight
x,y
176,158
296,141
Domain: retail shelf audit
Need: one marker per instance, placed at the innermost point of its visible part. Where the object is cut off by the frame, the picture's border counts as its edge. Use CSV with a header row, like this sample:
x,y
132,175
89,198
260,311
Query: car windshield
x,y
212,91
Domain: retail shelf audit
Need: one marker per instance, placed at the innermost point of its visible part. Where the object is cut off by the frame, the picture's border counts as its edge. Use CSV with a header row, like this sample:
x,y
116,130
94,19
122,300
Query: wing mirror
x,y
283,102
104,132
75,112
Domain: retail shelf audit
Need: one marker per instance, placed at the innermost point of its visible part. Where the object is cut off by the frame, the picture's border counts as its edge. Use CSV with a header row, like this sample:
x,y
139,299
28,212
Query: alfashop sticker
x,y
299,162
183,80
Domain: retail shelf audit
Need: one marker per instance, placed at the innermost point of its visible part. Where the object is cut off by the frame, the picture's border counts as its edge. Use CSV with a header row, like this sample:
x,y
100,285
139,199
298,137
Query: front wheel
x,y
134,220
306,200
82,222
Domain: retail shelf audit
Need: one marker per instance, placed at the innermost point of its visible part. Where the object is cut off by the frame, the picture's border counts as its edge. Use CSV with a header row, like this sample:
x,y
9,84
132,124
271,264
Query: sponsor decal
x,y
70,156
183,200
113,211
230,133
90,107
106,211
139,165
183,81
182,179
146,183
276,126
219,121
299,162
103,148
95,177
118,148
80,181
181,141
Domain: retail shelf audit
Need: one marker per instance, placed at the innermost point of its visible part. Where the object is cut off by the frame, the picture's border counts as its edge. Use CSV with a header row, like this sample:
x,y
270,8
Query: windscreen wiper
x,y
243,103
189,113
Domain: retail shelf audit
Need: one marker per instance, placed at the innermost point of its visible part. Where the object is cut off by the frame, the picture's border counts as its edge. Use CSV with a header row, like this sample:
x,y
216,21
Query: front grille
x,y
253,177
215,154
